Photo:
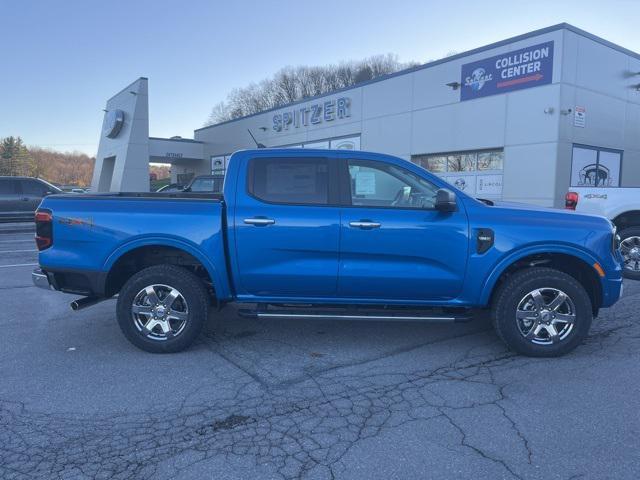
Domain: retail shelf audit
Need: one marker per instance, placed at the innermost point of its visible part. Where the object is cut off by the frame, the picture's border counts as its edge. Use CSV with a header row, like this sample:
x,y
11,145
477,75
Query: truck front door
x,y
395,245
286,225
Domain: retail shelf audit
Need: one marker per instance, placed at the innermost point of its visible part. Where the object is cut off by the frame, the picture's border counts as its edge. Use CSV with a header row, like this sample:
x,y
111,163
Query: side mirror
x,y
48,192
446,201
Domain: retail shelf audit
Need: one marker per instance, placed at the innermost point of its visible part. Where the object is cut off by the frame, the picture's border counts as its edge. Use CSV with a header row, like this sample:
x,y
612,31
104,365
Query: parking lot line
x,y
19,265
16,251
16,241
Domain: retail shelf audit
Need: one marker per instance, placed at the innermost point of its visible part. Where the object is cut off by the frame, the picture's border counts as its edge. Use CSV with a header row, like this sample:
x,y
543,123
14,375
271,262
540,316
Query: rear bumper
x,y
79,282
40,279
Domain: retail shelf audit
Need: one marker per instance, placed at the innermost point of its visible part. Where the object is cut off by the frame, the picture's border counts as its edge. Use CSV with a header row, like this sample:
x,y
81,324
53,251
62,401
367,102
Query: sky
x,y
61,60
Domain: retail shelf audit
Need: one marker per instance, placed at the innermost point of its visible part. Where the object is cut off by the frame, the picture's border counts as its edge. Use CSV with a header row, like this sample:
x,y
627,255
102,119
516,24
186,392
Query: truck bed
x,y
92,231
143,195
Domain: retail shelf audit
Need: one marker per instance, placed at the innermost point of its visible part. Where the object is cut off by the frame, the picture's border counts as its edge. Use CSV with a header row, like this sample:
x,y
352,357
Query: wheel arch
x,y
574,262
140,253
630,218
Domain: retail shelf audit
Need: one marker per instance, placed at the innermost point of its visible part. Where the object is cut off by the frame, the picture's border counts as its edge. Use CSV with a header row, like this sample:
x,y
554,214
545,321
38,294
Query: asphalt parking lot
x,y
306,399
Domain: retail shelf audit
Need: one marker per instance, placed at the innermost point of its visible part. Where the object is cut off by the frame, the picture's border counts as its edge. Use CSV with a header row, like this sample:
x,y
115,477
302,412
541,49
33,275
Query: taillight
x,y
44,229
571,200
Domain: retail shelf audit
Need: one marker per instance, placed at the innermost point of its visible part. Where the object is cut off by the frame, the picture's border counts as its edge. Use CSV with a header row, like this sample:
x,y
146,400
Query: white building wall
x,y
416,113
601,79
122,163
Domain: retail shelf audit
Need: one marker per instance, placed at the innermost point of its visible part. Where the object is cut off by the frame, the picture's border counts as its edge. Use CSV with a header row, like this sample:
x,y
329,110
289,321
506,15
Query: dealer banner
x,y
524,68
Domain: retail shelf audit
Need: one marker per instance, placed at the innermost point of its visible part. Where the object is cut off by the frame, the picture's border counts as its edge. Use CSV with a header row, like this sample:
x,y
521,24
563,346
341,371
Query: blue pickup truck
x,y
330,234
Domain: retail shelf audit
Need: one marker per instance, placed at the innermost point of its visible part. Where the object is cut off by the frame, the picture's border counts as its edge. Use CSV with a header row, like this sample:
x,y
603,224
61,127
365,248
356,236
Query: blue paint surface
x,y
418,256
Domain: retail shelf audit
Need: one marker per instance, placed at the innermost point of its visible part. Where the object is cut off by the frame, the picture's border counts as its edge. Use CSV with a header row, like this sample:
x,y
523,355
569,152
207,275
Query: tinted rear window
x,y
33,187
301,181
8,186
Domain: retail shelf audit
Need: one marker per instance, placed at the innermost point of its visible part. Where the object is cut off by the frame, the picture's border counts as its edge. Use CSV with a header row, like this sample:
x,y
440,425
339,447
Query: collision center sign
x,y
524,68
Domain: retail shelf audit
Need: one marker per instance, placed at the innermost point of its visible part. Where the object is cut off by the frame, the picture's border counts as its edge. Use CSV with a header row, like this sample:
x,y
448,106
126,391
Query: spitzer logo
x,y
477,79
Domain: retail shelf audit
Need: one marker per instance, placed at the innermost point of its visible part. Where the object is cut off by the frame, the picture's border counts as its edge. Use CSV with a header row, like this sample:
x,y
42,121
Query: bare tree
x,y
73,168
291,84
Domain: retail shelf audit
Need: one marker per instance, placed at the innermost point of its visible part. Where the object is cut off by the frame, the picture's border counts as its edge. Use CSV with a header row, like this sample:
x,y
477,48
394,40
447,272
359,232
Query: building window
x,y
344,143
595,167
350,143
492,160
473,161
478,173
219,164
320,145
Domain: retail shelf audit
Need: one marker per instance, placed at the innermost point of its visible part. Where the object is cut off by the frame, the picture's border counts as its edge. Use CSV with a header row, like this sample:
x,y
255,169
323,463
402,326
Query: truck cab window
x,y
300,181
33,187
375,184
8,186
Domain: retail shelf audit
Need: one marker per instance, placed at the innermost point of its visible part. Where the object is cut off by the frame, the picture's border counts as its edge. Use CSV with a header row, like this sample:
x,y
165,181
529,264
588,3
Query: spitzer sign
x,y
524,68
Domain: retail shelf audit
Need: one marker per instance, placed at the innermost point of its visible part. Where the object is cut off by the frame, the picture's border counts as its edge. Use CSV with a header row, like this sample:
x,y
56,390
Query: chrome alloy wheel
x,y
630,248
545,316
160,312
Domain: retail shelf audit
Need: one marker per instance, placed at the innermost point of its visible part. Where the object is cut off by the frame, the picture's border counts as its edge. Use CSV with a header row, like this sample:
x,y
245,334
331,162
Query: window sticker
x,y
365,183
283,179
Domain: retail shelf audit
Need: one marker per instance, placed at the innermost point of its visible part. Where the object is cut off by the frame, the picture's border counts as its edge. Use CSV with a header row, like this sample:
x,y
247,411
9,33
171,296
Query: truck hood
x,y
524,212
537,208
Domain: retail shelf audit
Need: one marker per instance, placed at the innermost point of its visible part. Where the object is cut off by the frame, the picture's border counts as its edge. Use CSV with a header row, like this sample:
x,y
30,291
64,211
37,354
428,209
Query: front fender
x,y
512,257
219,280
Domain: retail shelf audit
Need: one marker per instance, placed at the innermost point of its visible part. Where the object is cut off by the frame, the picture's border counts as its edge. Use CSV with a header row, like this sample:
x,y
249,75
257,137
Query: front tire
x,y
162,309
542,312
630,248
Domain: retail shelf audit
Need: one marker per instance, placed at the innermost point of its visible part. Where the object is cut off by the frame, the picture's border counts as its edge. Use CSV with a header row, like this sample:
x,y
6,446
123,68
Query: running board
x,y
386,316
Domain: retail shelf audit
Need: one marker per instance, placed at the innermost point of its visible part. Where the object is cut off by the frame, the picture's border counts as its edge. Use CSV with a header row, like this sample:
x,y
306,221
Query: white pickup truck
x,y
622,207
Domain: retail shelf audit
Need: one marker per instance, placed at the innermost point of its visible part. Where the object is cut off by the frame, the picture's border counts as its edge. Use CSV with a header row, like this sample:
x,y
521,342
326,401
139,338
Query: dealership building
x,y
523,120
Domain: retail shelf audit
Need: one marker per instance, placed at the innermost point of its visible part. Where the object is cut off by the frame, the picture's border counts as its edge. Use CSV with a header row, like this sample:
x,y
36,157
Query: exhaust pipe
x,y
85,302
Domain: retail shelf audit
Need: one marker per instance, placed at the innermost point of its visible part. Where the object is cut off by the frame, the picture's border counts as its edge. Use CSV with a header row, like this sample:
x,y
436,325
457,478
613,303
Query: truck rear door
x,y
287,226
32,193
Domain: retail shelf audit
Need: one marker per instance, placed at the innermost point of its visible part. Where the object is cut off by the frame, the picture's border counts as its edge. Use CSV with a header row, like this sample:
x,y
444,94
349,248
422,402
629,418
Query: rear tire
x,y
162,309
630,246
541,312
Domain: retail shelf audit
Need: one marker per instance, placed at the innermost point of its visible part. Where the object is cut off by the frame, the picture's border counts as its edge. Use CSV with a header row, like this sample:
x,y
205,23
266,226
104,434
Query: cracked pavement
x,y
306,398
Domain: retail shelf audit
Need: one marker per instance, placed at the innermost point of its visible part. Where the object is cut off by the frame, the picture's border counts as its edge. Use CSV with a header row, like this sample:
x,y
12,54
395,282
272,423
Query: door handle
x,y
364,224
259,222
25,199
